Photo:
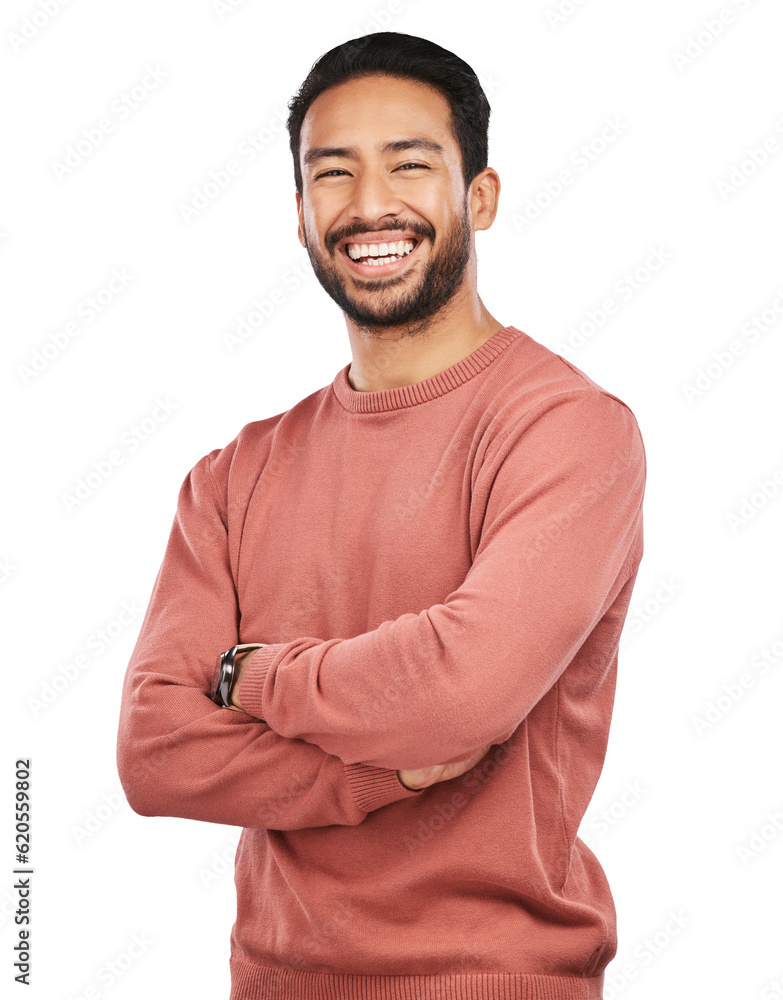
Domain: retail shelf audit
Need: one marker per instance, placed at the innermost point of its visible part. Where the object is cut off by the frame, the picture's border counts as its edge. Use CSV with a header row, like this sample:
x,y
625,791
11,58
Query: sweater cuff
x,y
254,670
374,787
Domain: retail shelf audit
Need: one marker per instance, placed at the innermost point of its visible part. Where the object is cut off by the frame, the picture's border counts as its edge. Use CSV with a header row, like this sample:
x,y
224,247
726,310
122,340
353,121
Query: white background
x,y
686,825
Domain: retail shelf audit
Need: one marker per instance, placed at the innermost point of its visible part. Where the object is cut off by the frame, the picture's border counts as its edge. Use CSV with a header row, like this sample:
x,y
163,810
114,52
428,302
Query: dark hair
x,y
409,57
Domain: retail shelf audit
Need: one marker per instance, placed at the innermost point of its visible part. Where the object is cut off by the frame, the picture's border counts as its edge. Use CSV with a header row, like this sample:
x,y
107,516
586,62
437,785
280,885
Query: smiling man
x,y
388,221
383,638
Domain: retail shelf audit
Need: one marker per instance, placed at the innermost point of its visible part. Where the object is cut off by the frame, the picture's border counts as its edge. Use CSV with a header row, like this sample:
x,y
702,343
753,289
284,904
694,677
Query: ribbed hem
x,y
261,982
373,787
420,392
254,671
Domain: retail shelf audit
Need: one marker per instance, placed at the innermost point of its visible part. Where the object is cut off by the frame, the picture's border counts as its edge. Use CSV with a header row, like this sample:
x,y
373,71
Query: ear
x,y
484,197
300,216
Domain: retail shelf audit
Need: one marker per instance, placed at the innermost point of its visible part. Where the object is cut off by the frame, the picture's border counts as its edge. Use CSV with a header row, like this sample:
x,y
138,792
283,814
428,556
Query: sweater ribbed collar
x,y
420,392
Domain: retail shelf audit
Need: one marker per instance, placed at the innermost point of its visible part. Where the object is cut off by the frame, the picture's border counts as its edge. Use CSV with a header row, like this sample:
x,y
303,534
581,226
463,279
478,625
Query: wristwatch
x,y
225,673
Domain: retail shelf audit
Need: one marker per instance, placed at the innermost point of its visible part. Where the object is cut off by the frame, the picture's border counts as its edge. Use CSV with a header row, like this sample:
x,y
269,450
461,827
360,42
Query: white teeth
x,y
380,253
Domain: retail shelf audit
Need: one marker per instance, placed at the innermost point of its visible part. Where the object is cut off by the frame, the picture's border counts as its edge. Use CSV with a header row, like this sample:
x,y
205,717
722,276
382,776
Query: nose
x,y
373,197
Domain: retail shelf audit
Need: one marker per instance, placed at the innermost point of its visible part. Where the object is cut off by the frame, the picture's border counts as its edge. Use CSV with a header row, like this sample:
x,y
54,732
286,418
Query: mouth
x,y
379,257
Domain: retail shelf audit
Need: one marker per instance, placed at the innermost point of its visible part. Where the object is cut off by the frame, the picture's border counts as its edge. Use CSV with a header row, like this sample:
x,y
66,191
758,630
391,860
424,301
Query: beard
x,y
414,307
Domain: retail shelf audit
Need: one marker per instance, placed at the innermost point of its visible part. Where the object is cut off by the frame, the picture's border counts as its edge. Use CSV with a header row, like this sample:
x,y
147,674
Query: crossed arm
x,y
414,779
178,753
560,538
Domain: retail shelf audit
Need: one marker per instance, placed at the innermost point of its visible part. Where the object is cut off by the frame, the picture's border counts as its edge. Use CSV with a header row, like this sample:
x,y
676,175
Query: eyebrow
x,y
352,153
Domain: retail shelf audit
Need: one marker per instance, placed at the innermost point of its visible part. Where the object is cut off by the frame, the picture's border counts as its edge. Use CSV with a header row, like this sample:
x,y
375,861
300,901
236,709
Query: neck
x,y
389,357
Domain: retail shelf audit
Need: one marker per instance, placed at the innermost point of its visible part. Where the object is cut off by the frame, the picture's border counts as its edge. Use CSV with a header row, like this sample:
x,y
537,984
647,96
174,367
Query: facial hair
x,y
413,308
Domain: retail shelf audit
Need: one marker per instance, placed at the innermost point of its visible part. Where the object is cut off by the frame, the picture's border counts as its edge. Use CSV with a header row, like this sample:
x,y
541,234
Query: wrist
x,y
226,674
240,663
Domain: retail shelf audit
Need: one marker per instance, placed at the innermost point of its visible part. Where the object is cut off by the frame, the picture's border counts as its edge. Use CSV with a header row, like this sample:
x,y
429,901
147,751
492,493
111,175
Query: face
x,y
384,215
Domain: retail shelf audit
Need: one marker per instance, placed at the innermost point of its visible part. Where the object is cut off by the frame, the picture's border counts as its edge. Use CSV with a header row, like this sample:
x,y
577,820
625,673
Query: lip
x,y
371,270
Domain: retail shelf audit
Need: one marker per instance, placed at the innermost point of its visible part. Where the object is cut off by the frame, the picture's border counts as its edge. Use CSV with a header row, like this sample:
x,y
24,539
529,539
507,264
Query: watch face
x,y
214,695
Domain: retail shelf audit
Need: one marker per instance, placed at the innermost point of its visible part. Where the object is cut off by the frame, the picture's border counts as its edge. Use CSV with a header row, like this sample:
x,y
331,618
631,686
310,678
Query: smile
x,y
379,258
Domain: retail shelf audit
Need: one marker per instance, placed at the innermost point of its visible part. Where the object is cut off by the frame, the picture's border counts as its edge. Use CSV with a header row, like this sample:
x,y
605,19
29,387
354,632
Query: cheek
x,y
318,222
434,205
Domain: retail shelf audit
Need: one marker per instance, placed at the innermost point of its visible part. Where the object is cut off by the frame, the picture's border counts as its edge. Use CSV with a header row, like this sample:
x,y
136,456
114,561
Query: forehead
x,y
367,110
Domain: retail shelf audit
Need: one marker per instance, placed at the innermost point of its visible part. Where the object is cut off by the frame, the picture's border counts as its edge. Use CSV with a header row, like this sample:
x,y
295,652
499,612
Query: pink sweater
x,y
434,567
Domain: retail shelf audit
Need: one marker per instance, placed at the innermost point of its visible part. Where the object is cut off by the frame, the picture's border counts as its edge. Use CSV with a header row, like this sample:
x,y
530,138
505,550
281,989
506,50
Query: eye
x,y
336,171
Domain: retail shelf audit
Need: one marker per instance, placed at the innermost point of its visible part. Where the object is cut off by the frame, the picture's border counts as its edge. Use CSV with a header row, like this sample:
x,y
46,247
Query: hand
x,y
423,777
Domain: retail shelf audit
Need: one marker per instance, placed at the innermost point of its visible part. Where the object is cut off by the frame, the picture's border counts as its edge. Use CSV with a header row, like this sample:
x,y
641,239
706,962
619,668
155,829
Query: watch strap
x,y
225,672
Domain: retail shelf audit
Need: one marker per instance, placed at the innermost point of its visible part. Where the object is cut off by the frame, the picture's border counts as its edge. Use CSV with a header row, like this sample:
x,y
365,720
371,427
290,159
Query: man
x,y
426,565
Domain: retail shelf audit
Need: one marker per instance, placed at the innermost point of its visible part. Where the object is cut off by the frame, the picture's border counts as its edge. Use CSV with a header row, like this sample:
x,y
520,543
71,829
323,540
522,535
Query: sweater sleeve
x,y
561,534
179,754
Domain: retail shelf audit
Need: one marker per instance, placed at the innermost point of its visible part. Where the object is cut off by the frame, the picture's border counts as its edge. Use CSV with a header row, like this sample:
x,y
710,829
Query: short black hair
x,y
409,57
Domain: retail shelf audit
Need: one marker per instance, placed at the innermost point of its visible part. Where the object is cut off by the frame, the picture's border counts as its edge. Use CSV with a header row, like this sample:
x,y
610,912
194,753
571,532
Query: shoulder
x,y
232,471
536,386
549,421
